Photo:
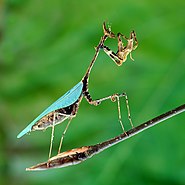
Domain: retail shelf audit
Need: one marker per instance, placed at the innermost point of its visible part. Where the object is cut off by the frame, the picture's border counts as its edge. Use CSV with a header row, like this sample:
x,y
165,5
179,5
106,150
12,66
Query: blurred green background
x,y
46,47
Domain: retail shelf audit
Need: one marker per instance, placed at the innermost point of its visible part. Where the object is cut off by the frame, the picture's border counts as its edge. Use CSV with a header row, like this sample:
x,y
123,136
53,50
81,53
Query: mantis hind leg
x,y
63,134
52,136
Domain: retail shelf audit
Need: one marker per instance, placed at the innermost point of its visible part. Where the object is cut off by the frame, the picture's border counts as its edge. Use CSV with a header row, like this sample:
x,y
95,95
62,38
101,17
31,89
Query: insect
x,y
66,107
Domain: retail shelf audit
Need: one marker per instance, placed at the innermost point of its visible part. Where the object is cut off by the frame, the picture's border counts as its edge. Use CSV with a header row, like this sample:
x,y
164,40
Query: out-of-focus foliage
x,y
46,47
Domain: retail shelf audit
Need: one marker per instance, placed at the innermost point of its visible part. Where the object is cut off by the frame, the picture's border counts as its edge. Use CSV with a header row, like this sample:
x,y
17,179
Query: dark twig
x,y
79,155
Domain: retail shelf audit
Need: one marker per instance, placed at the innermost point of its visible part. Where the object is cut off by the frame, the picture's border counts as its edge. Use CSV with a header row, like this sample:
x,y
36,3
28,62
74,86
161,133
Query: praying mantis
x,y
66,107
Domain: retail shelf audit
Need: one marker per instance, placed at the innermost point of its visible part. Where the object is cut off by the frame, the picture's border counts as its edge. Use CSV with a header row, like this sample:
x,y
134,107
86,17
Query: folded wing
x,y
66,100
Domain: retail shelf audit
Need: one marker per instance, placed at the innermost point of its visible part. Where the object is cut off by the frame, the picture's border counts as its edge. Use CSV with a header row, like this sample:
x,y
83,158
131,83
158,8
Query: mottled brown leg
x,y
117,57
133,36
123,51
112,55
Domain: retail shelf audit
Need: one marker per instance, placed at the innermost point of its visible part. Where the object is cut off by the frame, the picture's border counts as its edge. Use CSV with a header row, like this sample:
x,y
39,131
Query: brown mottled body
x,y
57,117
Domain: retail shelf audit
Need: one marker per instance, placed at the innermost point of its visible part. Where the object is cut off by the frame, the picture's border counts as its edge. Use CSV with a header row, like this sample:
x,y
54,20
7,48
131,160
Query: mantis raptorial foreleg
x,y
123,51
